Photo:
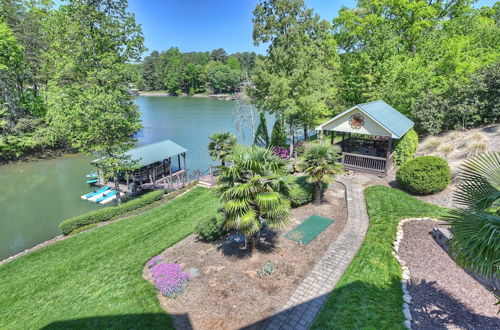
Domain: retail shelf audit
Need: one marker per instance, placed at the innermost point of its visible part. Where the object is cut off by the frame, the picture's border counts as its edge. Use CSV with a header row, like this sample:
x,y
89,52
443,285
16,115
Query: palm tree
x,y
253,191
476,224
319,163
221,146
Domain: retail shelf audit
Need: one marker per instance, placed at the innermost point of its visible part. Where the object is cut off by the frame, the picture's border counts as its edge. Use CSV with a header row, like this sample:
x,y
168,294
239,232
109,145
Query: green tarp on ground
x,y
309,229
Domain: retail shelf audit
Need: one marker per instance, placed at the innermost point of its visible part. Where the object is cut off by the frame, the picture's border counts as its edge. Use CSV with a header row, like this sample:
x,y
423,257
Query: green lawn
x,y
93,280
368,296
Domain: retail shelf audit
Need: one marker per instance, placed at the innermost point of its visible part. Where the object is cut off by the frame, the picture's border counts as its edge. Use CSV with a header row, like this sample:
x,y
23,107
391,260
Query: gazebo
x,y
376,119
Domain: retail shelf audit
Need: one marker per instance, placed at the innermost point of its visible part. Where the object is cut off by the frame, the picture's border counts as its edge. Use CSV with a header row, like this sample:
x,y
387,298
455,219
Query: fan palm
x,y
319,163
476,224
221,145
254,191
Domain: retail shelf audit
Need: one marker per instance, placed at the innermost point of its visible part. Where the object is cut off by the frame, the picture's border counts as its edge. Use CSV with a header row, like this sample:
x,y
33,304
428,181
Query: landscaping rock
x,y
407,324
407,298
407,314
193,272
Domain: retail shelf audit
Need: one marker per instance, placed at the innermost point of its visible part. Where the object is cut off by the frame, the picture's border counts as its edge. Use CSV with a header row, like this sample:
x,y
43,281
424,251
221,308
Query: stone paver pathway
x,y
304,304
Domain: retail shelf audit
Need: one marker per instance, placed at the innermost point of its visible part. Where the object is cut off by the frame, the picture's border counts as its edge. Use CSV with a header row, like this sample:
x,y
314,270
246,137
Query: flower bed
x,y
169,279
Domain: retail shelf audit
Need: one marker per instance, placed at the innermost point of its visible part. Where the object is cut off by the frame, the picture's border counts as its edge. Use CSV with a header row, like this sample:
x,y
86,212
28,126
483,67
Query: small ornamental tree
x,y
221,146
278,134
319,163
261,138
254,191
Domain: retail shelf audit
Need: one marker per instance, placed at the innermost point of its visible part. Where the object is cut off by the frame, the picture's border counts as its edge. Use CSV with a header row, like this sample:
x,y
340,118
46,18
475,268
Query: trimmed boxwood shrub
x,y
301,191
69,225
406,147
212,228
424,175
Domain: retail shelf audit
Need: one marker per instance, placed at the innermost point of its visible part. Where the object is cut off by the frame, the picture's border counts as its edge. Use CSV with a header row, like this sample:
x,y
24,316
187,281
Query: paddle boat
x,y
95,193
91,175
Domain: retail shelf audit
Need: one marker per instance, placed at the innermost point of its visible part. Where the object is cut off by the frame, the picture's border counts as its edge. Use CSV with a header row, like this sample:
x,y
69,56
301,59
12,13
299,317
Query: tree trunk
x,y
117,189
223,163
292,138
306,133
317,192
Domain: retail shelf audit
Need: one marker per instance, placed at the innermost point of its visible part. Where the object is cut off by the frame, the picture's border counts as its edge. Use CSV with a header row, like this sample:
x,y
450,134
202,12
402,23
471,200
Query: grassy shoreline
x,y
94,278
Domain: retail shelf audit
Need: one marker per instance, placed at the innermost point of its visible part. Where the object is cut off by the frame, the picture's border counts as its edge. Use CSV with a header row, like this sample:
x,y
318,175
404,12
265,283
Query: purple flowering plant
x,y
281,152
170,279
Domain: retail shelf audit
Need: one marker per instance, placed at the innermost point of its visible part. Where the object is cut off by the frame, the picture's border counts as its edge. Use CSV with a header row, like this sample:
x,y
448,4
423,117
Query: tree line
x,y
194,72
66,70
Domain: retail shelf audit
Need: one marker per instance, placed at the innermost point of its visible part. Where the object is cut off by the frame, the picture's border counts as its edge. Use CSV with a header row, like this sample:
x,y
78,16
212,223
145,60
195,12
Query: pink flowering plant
x,y
169,279
281,152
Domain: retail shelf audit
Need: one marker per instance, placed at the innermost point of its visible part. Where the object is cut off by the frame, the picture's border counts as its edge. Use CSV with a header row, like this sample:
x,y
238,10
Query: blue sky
x,y
200,25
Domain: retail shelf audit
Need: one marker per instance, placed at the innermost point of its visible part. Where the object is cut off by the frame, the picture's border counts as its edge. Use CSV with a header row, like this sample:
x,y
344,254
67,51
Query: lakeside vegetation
x,y
369,292
436,62
101,269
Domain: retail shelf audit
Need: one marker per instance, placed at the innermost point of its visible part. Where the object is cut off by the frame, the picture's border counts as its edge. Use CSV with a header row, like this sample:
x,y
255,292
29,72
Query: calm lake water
x,y
36,196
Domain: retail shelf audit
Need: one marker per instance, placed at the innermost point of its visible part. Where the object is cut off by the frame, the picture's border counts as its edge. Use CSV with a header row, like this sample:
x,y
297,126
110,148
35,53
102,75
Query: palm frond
x,y
479,183
476,241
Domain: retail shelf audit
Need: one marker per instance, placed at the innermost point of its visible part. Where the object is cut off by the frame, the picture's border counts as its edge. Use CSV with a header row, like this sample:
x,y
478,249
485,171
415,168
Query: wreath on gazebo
x,y
356,121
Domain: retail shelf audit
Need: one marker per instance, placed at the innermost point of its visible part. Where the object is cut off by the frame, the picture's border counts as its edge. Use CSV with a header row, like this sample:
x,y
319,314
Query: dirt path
x,y
443,295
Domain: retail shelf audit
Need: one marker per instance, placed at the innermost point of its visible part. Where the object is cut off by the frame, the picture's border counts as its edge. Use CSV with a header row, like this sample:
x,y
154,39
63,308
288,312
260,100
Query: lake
x,y
36,196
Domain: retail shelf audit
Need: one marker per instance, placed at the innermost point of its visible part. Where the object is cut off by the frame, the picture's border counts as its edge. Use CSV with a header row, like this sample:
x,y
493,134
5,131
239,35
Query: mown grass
x,y
368,296
93,280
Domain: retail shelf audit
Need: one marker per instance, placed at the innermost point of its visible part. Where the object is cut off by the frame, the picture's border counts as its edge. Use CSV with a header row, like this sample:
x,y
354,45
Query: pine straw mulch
x,y
228,294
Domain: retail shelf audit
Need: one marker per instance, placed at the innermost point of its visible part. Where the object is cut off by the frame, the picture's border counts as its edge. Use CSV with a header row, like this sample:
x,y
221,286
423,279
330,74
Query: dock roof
x,y
155,152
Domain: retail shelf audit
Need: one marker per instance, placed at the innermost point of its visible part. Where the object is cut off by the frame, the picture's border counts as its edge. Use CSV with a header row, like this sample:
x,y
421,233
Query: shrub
x,y
281,152
69,225
424,175
406,147
474,149
432,144
169,279
212,228
267,270
301,192
446,150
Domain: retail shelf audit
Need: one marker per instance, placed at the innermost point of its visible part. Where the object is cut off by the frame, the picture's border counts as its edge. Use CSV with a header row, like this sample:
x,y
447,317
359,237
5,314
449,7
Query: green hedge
x,y
424,175
69,225
301,191
406,147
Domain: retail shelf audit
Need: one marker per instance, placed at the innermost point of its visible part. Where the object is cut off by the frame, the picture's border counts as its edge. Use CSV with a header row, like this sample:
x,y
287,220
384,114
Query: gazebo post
x,y
388,156
332,137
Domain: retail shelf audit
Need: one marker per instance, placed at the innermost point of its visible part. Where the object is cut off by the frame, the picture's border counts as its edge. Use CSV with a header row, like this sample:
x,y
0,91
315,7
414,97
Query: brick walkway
x,y
306,301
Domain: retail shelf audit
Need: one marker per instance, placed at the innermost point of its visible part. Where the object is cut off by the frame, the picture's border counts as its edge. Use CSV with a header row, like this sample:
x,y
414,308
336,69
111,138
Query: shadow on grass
x,y
126,321
265,244
360,305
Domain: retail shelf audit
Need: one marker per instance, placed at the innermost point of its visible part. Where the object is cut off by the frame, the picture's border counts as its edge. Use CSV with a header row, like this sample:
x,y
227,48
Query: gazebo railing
x,y
366,163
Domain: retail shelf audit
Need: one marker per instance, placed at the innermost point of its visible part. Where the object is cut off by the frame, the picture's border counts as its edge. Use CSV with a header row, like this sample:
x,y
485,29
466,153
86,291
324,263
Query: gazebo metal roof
x,y
383,114
155,152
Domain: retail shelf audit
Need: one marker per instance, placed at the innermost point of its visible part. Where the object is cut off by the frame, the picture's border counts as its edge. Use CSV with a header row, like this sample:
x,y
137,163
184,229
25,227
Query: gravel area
x,y
443,295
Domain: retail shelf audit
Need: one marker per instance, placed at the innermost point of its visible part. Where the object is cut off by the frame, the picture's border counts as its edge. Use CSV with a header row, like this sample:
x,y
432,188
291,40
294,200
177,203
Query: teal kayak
x,y
97,192
91,181
106,196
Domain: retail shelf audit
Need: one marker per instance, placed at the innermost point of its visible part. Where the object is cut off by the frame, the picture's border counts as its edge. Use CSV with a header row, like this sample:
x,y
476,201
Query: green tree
x,y
218,55
476,225
297,77
254,191
88,97
320,163
261,138
278,134
221,146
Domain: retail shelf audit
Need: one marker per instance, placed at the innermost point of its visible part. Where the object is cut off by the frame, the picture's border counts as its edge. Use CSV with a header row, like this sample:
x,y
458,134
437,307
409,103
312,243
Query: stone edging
x,y
405,270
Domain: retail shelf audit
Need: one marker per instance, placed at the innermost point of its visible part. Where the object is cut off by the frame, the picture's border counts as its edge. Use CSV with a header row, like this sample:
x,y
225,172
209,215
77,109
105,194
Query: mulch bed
x,y
228,294
444,296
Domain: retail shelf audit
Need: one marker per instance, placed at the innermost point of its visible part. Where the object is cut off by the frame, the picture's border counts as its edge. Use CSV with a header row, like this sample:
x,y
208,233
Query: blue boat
x,y
106,196
91,181
91,175
95,192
